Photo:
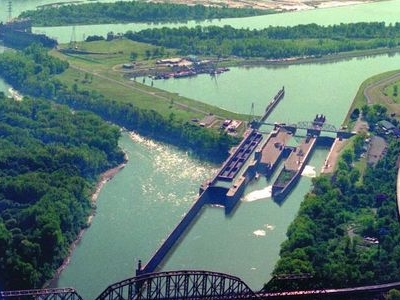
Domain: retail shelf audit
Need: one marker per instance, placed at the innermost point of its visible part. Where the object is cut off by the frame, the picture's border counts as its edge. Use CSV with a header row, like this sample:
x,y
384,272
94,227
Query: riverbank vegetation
x,y
347,229
50,159
133,11
34,72
310,40
345,233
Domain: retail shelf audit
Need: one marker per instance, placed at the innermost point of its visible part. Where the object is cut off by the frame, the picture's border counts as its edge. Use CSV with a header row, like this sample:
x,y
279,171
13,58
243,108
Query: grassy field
x,y
393,92
102,71
104,74
377,94
383,86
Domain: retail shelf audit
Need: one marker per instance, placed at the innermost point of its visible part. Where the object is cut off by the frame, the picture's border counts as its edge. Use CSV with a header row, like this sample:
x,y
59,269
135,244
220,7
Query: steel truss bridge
x,y
43,294
164,285
305,125
190,285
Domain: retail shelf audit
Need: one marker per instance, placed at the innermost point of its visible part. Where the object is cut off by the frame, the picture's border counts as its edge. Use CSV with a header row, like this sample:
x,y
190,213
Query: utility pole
x,y
9,10
72,42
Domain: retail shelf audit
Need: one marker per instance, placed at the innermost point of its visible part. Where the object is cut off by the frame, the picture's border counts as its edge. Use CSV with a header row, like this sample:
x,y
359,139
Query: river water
x,y
141,204
384,11
368,12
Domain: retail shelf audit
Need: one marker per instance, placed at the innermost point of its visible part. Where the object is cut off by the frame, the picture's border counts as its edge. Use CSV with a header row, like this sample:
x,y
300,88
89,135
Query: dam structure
x,y
258,153
224,189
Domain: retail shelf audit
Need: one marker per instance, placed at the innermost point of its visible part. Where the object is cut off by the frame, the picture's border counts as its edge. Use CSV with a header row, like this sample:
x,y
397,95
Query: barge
x,y
296,161
293,167
273,150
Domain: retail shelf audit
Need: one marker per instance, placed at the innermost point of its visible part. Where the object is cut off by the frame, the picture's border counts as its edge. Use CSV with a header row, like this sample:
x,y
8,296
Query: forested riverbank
x,y
52,157
50,160
33,73
347,229
133,11
310,40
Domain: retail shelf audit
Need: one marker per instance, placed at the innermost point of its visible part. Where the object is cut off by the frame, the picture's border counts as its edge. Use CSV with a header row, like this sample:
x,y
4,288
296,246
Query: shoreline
x,y
276,7
103,179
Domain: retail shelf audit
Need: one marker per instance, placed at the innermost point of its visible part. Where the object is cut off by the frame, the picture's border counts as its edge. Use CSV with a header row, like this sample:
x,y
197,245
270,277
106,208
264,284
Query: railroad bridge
x,y
192,284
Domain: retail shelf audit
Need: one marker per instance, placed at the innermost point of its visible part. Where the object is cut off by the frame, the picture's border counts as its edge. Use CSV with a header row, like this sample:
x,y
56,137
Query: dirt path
x,y
375,89
141,90
278,5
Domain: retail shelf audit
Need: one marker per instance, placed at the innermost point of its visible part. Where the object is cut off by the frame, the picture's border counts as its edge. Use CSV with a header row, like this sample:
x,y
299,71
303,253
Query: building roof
x,y
386,125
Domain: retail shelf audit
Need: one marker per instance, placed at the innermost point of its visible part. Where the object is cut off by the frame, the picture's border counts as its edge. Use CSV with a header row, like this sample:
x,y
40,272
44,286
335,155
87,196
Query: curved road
x,y
369,90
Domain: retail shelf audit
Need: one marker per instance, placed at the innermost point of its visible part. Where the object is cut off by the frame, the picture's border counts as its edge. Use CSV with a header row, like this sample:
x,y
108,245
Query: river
x,y
381,11
142,203
366,12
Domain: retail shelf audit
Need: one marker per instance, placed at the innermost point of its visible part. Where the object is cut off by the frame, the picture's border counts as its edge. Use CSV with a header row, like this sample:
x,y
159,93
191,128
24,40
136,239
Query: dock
x,y
296,161
273,150
331,159
274,102
257,153
224,189
268,110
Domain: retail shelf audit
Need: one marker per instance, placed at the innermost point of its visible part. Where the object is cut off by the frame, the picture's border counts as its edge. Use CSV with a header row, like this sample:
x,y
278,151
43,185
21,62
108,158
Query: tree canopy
x,y
50,159
273,42
33,72
347,230
133,11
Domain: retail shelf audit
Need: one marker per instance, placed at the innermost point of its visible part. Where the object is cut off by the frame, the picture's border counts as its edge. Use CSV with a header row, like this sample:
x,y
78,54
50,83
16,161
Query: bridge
x,y
304,125
191,284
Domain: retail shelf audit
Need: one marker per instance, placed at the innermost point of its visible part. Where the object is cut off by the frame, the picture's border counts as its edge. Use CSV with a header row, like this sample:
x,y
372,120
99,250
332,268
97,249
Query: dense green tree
x,y
346,229
393,295
133,11
309,40
50,159
204,142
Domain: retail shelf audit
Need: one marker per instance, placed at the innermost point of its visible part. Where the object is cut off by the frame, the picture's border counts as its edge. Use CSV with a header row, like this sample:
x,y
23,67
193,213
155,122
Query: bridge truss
x,y
306,125
194,285
179,285
42,294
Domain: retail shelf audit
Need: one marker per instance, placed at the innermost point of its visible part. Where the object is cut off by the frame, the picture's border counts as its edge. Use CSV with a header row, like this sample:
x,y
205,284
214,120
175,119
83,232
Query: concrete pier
x,y
175,235
224,189
273,150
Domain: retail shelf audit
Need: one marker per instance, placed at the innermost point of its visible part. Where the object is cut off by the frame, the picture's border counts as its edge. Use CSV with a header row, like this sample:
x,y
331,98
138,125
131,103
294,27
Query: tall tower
x,y
9,10
72,42
252,117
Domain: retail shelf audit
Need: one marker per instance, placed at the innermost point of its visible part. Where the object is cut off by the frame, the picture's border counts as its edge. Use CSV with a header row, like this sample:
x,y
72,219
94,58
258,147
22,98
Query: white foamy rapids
x,y
258,195
269,226
309,171
259,232
263,232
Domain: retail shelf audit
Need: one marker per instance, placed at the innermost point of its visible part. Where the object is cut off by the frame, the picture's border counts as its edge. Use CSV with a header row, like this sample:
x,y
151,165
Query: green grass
x,y
103,73
360,100
393,91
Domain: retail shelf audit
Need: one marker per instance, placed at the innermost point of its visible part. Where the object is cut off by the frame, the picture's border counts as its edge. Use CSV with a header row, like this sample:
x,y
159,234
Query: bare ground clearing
x,y
279,5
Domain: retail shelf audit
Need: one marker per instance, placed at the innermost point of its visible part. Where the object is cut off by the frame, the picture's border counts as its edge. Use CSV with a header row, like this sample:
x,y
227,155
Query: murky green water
x,y
142,204
327,88
379,12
